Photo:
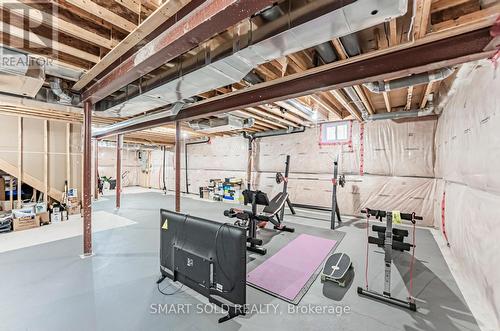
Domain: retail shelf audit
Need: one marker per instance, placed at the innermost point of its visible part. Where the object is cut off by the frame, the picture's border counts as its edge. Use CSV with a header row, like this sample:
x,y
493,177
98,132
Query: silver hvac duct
x,y
351,92
270,44
137,120
427,111
303,108
405,82
55,87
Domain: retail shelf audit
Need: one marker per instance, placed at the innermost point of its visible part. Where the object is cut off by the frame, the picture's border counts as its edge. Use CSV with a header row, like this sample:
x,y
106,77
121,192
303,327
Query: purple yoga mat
x,y
288,271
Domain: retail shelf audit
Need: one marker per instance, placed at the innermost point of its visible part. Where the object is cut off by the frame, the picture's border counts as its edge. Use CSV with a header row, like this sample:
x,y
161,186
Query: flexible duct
x,y
55,87
418,79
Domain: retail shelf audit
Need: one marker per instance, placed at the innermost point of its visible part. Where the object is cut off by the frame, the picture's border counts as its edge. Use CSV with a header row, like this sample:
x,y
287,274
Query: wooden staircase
x,y
30,180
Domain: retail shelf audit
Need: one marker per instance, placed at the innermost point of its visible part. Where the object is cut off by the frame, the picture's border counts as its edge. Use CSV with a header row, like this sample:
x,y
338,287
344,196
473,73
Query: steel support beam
x,y
96,169
178,166
87,179
403,60
119,145
208,19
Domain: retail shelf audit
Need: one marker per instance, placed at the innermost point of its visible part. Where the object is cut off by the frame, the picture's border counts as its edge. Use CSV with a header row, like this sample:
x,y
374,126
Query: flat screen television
x,y
207,256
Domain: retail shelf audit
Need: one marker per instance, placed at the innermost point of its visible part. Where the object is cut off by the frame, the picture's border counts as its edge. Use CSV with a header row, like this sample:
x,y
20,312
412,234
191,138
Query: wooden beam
x,y
364,99
19,160
167,10
409,97
476,20
425,98
393,32
132,5
326,106
440,5
346,103
103,13
339,48
387,102
33,38
422,18
39,17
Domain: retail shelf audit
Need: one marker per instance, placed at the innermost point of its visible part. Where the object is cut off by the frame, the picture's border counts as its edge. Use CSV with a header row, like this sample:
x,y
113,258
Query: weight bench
x,y
252,219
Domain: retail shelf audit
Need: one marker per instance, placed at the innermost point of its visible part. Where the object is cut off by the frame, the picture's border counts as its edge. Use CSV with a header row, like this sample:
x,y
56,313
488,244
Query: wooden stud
x,y
409,97
387,101
46,161
393,32
19,160
68,154
428,91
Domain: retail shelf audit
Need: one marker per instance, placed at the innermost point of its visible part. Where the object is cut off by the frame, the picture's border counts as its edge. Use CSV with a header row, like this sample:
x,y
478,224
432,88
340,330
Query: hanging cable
x,y
367,246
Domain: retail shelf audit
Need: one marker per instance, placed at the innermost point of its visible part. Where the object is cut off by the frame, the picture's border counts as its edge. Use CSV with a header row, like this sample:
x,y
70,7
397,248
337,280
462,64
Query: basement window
x,y
335,133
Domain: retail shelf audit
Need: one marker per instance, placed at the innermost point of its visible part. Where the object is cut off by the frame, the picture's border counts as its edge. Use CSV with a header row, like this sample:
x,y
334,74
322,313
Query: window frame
x,y
336,124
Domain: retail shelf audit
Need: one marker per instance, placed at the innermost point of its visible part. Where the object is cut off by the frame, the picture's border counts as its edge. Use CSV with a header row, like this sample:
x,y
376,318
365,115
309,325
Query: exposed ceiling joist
x,y
440,5
103,13
34,39
206,20
39,17
167,10
422,18
132,5
424,55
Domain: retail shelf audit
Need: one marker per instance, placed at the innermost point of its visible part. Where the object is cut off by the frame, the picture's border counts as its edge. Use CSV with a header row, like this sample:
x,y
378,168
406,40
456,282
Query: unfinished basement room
x,y
242,165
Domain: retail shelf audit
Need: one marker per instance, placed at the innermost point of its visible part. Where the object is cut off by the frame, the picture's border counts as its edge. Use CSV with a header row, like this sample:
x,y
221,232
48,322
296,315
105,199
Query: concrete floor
x,y
48,287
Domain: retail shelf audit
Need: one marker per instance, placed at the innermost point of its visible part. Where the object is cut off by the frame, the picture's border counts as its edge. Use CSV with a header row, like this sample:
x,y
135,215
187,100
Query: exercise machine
x,y
284,179
390,238
337,180
251,219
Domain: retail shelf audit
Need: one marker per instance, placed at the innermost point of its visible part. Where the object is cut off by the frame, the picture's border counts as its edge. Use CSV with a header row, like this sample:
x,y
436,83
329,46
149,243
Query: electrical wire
x,y
178,290
217,257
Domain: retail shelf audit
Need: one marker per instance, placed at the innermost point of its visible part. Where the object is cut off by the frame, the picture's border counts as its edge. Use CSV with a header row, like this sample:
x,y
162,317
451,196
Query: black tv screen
x,y
207,256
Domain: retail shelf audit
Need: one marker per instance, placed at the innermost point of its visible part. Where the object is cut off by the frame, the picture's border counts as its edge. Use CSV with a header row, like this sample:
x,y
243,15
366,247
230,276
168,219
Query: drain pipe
x,y
418,79
206,140
251,138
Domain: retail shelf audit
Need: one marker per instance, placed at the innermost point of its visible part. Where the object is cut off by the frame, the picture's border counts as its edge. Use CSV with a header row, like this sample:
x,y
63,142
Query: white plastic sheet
x,y
468,161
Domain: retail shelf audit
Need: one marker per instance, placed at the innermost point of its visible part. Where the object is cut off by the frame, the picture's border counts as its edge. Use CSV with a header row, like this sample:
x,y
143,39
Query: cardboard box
x,y
2,188
25,223
74,210
5,205
73,201
44,218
